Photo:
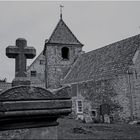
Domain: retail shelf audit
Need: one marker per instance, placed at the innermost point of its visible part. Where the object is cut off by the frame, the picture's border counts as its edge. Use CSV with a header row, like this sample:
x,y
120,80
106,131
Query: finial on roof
x,y
61,7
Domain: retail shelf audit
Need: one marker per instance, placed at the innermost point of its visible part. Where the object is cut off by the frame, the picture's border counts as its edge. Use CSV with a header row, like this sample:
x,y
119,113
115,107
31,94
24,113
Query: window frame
x,y
81,106
33,74
95,111
63,51
42,62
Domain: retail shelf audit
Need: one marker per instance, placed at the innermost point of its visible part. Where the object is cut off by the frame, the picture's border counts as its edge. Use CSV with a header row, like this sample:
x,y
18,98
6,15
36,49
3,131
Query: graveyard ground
x,y
72,129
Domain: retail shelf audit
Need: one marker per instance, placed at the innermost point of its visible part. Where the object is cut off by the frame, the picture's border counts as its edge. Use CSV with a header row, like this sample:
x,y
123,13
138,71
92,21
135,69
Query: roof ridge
x,y
125,39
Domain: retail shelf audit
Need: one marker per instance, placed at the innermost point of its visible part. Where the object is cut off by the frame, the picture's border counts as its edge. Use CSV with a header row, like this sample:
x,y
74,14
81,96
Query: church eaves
x,y
63,35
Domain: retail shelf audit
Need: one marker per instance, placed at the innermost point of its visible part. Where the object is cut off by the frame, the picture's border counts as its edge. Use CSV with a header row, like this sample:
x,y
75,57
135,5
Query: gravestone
x,y
28,112
88,118
106,118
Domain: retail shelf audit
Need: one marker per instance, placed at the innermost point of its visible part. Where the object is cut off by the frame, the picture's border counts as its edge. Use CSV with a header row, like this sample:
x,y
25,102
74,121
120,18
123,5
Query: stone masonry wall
x,y
56,67
114,92
39,80
136,85
121,87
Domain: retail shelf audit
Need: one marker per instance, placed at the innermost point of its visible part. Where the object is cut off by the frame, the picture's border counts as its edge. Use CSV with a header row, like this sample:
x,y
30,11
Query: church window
x,y
93,113
42,62
79,106
33,73
65,53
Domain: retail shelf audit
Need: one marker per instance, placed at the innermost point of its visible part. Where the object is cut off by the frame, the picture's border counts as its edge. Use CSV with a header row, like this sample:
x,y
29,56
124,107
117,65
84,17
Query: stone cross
x,y
20,52
61,6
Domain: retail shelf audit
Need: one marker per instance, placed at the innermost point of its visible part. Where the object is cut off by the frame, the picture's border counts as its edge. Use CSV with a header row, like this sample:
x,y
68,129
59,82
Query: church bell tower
x,y
61,51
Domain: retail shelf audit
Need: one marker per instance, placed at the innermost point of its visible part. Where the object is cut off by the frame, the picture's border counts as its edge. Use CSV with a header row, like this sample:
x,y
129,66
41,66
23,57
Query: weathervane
x,y
61,7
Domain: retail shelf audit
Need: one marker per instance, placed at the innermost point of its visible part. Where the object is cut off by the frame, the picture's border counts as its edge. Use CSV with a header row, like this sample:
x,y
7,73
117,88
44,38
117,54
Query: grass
x,y
72,129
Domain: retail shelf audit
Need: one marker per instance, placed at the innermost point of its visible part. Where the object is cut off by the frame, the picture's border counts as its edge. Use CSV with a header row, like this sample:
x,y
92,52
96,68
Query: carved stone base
x,y
21,81
30,133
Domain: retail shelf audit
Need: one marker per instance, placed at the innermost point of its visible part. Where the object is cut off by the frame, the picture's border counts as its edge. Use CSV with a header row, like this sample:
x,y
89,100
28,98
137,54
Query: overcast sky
x,y
95,24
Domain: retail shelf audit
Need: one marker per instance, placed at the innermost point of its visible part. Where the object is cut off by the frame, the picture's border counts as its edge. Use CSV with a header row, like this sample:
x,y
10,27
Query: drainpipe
x,y
130,73
46,64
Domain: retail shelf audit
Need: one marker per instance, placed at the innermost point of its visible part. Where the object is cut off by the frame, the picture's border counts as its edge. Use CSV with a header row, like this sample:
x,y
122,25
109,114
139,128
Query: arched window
x,y
65,53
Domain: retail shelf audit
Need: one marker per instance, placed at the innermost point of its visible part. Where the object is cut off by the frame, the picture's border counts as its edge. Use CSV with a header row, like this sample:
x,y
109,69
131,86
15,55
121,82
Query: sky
x,y
95,24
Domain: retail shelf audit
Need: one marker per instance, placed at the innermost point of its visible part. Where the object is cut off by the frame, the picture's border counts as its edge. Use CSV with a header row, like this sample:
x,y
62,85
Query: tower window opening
x,y
65,53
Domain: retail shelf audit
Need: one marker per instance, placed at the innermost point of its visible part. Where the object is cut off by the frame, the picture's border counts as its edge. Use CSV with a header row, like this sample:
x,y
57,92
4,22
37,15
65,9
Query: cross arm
x,y
30,52
11,51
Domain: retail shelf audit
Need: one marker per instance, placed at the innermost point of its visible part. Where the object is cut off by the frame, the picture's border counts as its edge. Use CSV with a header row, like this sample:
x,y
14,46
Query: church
x,y
105,82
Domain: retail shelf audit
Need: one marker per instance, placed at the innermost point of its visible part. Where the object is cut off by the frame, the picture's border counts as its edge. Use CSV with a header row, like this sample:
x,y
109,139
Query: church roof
x,y
36,59
63,35
104,62
4,86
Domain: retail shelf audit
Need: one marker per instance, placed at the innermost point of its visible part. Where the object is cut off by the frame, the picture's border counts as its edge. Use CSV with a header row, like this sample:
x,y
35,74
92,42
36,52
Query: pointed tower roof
x,y
63,35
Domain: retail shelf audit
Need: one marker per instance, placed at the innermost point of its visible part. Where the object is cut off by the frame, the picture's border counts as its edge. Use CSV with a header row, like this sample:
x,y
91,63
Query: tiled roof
x,y
4,86
63,35
110,60
36,59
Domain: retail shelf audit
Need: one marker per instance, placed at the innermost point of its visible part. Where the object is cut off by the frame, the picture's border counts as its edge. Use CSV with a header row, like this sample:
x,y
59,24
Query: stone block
x,y
31,107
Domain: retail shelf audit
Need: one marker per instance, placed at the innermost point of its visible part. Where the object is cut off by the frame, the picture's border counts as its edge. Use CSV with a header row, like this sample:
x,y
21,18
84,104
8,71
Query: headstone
x,y
106,118
80,117
104,109
88,119
28,112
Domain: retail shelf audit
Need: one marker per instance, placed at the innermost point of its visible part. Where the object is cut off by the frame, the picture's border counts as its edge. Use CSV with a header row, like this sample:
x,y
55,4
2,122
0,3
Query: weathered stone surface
x,y
18,81
34,93
30,120
32,133
56,67
114,92
20,52
34,104
27,106
38,65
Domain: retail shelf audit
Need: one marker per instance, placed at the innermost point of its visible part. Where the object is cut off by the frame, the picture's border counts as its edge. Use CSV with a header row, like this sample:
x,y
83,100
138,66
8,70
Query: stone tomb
x,y
28,112
26,107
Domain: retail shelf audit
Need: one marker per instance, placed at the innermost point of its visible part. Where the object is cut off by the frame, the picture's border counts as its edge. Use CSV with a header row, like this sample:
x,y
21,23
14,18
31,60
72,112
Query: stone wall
x,y
135,78
114,92
56,66
121,86
39,79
